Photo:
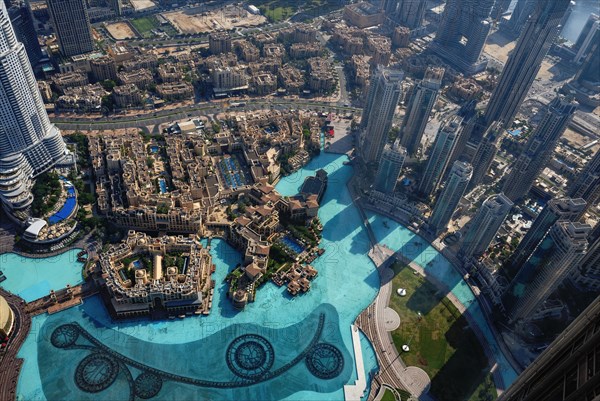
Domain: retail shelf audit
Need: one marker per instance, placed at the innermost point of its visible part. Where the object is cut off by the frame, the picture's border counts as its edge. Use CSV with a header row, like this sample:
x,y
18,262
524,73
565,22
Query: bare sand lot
x,y
196,21
498,46
120,31
139,5
578,140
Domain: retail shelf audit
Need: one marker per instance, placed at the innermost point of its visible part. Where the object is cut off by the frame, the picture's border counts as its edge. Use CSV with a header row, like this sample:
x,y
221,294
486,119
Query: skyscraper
x,y
525,60
568,369
565,209
585,85
485,225
462,33
460,174
515,24
72,26
419,108
376,121
22,22
539,147
587,184
590,35
587,274
557,255
484,156
392,159
410,13
438,159
29,143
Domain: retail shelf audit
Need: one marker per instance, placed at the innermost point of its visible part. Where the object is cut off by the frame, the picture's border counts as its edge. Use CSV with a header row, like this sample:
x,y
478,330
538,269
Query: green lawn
x,y
388,396
278,10
145,25
441,342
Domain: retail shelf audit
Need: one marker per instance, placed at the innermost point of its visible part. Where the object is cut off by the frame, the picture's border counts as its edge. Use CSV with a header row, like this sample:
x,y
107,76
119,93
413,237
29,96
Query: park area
x,y
440,340
145,25
279,10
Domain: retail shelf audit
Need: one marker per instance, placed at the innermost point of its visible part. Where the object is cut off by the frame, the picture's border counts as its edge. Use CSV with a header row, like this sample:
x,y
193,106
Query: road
x,y
164,116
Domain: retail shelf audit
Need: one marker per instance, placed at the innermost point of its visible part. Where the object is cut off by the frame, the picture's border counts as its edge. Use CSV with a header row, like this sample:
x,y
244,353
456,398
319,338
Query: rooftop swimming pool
x,y
279,347
67,208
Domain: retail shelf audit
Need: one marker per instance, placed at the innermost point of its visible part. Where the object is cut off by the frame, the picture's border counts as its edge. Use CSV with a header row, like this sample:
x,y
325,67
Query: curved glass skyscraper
x,y
29,143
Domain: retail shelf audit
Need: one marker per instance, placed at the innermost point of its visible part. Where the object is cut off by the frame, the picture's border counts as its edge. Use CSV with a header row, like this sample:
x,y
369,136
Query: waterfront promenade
x,y
393,372
10,365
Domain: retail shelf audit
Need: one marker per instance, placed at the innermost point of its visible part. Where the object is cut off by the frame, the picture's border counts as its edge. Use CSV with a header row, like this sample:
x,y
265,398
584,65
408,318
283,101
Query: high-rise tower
x,y
459,177
565,209
29,143
588,272
587,38
515,24
409,13
462,33
22,22
485,225
419,108
390,165
484,156
587,184
438,159
382,99
568,369
525,60
539,147
554,258
72,26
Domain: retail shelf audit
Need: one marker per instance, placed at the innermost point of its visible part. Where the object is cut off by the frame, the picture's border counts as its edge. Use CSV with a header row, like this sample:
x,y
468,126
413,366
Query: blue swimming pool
x,y
163,185
292,244
67,208
154,149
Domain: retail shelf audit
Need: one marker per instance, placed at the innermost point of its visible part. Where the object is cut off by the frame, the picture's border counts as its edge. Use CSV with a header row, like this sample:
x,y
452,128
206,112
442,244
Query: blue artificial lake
x,y
279,347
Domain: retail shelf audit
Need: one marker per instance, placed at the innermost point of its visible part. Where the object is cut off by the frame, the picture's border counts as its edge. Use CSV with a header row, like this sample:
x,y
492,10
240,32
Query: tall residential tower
x,y
72,26
419,108
565,209
539,147
382,100
525,60
485,225
554,258
587,184
390,165
462,33
29,143
440,154
460,174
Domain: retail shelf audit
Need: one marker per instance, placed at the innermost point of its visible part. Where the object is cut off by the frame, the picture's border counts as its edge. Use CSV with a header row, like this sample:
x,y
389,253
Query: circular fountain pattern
x,y
96,372
64,336
250,356
147,385
325,361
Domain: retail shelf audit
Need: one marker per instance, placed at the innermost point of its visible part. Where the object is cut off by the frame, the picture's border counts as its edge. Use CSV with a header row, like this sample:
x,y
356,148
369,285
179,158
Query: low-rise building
x,y
127,95
140,78
175,91
157,277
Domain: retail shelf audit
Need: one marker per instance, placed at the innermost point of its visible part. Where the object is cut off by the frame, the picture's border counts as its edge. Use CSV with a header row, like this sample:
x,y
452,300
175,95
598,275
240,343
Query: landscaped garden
x,y
440,340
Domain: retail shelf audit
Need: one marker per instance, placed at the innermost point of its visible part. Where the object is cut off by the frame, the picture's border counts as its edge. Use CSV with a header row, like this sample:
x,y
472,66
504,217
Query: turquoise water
x,y
199,346
33,278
